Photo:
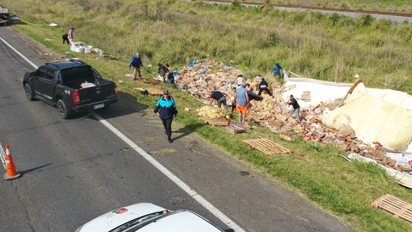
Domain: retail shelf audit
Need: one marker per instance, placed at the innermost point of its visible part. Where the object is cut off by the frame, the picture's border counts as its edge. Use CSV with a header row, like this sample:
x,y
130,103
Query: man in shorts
x,y
242,101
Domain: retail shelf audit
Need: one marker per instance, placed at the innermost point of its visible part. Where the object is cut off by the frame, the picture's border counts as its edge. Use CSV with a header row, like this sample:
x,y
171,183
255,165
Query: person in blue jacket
x,y
276,70
136,62
167,107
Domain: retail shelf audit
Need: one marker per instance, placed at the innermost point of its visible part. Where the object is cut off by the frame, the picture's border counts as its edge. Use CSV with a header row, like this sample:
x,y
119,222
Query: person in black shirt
x,y
220,98
295,108
263,86
162,72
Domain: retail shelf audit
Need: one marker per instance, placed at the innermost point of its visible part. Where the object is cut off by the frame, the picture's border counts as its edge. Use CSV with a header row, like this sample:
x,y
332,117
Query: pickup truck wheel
x,y
63,111
29,93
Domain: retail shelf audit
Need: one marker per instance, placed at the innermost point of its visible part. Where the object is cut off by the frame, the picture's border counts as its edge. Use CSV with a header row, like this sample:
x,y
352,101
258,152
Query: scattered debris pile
x,y
203,76
210,112
331,113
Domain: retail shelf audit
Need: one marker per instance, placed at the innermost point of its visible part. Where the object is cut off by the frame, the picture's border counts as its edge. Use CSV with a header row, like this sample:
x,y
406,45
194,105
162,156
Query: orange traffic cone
x,y
11,169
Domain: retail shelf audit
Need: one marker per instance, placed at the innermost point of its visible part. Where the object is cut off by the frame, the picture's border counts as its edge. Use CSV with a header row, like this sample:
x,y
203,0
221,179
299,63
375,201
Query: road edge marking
x,y
215,211
18,53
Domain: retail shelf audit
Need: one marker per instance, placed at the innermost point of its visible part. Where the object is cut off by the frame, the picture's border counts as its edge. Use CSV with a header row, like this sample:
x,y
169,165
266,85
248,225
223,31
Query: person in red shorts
x,y
242,101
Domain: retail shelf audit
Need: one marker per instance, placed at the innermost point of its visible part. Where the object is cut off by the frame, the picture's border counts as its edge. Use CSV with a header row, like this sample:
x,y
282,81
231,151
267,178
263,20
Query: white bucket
x,y
87,50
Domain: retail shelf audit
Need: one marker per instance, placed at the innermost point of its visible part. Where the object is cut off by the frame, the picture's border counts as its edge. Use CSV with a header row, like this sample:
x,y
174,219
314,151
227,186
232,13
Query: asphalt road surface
x,y
75,170
353,15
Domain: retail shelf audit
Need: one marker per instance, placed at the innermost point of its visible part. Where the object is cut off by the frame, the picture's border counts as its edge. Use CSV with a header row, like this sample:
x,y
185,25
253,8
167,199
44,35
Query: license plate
x,y
98,106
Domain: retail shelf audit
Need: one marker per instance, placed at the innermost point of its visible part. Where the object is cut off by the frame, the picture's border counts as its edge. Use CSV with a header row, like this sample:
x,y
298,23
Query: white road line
x,y
215,211
171,176
15,50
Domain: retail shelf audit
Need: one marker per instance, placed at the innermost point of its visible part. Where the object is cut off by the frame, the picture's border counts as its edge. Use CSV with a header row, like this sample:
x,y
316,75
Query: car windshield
x,y
176,221
138,221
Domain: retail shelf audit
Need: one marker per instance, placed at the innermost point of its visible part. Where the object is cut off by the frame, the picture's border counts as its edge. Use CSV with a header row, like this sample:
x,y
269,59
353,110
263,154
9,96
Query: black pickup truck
x,y
71,86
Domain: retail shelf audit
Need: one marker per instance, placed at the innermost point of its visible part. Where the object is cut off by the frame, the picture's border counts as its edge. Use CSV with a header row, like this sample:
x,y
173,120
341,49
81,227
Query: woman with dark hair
x,y
167,107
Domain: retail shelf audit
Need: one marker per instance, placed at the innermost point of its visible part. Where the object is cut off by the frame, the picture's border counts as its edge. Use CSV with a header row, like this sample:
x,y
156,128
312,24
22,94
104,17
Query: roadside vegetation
x,y
326,47
394,6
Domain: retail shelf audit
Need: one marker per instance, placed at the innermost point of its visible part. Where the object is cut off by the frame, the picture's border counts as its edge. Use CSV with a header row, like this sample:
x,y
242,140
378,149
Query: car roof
x,y
183,221
67,64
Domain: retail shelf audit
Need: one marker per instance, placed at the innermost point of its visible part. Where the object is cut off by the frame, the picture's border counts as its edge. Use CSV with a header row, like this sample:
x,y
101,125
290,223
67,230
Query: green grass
x,y
346,189
325,47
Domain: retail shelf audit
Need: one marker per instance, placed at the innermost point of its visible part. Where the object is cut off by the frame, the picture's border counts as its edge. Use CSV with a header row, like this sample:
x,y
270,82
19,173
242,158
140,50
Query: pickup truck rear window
x,y
77,73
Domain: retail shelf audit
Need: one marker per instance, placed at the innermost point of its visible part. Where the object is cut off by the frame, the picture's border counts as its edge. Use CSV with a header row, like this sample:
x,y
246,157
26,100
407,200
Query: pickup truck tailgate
x,y
97,93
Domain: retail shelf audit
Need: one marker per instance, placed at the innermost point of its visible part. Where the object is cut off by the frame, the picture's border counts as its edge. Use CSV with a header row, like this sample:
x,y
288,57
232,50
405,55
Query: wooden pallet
x,y
151,91
396,206
267,146
155,92
215,121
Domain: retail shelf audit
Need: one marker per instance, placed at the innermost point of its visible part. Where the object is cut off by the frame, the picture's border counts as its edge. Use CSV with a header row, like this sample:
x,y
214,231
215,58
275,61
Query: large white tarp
x,y
380,118
376,115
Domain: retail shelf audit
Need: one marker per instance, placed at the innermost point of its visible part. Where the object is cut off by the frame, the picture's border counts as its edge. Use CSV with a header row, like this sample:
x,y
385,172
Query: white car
x,y
147,217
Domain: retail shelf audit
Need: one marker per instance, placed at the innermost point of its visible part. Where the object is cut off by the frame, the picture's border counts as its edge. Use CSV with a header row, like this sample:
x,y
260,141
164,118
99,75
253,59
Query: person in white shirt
x,y
240,80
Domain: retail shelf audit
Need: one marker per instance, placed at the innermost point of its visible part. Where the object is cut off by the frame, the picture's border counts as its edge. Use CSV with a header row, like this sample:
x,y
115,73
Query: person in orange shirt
x,y
242,101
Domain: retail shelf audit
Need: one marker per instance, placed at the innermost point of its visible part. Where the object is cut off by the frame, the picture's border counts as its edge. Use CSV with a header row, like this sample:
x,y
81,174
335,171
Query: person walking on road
x,y
276,70
263,86
70,36
168,110
295,108
220,98
136,62
242,102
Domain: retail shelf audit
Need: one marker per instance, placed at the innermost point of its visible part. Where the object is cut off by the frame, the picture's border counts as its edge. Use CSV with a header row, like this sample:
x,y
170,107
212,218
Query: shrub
x,y
236,3
364,20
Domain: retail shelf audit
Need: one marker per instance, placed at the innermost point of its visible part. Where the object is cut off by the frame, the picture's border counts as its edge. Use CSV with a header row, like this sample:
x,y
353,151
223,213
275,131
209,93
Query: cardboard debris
x,y
151,91
243,125
215,121
346,130
203,76
234,129
306,96
87,85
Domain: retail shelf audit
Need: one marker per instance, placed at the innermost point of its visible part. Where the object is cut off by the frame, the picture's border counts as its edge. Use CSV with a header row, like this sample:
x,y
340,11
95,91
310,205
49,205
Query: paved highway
x,y
75,170
353,15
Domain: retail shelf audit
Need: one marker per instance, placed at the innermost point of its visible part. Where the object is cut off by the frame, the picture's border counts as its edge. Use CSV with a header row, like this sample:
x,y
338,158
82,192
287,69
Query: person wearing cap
x,y
220,98
70,36
242,101
276,70
263,86
168,110
136,62
240,80
295,108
